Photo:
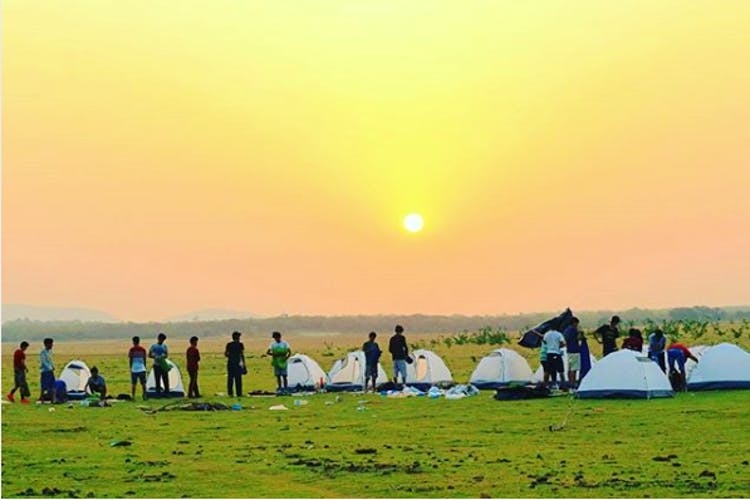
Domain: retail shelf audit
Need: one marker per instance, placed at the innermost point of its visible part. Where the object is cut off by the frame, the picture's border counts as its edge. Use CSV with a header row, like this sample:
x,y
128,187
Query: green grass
x,y
695,445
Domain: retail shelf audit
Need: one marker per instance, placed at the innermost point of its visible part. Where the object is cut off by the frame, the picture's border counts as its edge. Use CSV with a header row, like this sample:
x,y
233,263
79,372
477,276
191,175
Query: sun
x,y
413,223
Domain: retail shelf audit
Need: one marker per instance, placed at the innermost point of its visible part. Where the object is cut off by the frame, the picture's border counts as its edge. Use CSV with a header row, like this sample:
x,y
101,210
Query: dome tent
x,y
305,374
176,389
625,374
348,373
724,366
500,368
76,375
428,369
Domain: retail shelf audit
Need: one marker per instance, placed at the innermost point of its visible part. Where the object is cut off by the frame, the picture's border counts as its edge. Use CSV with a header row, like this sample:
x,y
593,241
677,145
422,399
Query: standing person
x,y
137,359
372,357
657,345
193,357
280,352
634,340
97,384
235,354
555,341
573,342
19,374
607,335
47,369
677,354
546,370
159,353
399,353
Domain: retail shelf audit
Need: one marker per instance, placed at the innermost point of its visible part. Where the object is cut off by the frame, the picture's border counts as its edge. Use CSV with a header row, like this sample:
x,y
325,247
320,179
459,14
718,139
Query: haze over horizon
x,y
262,156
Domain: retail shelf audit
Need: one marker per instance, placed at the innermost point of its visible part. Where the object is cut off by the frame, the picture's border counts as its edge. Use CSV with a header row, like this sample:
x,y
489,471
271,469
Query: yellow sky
x,y
161,156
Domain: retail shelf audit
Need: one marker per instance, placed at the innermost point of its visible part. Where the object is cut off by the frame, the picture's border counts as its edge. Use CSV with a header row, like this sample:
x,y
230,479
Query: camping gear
x,y
176,389
348,373
304,374
625,374
428,369
723,366
533,337
500,368
461,391
76,375
516,392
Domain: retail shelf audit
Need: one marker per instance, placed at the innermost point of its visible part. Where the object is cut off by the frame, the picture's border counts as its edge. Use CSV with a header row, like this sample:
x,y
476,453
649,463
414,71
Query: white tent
x,y
176,389
625,374
539,373
348,373
499,368
305,374
698,351
428,369
724,366
76,375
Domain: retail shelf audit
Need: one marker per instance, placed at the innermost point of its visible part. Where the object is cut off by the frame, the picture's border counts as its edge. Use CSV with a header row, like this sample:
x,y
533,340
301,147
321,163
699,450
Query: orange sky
x,y
160,157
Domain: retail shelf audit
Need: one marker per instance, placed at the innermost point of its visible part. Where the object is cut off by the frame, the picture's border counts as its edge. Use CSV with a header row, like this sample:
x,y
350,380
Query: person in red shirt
x,y
634,340
19,374
193,357
676,355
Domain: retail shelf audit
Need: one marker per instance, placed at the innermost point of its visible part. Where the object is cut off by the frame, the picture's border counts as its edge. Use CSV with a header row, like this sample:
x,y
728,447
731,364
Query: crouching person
x,y
96,384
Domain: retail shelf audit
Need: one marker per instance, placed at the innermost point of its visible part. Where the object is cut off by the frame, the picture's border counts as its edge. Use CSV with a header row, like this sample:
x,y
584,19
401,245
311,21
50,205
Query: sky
x,y
160,157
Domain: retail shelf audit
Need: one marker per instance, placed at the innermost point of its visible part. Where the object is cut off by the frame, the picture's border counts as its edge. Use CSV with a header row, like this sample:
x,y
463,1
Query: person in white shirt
x,y
554,341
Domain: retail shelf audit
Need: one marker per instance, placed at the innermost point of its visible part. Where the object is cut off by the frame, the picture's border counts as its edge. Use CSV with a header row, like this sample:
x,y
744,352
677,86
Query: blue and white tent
x,y
625,374
348,373
76,375
176,389
500,368
724,366
427,370
304,374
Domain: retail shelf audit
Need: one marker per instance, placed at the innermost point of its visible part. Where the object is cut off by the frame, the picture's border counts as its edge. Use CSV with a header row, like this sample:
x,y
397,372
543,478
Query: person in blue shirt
x,y
96,383
159,353
657,344
59,393
372,357
47,369
573,341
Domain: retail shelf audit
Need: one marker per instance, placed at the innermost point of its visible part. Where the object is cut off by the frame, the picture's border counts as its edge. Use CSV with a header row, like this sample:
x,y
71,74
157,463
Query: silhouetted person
x,y
573,342
280,352
399,352
607,336
193,358
19,374
235,354
372,358
159,352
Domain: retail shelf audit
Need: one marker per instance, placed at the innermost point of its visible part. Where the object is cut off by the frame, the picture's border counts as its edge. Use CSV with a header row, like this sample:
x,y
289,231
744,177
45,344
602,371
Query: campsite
x,y
343,444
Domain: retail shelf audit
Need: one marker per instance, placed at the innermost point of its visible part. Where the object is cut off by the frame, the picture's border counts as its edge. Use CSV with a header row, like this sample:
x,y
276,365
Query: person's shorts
x,y
138,377
555,362
399,367
279,372
678,357
371,371
574,361
48,380
19,378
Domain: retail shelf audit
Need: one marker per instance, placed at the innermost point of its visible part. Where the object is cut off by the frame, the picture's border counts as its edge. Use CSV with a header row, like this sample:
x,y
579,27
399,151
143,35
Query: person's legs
x,y
157,378
133,380
230,381
165,381
197,391
574,364
239,383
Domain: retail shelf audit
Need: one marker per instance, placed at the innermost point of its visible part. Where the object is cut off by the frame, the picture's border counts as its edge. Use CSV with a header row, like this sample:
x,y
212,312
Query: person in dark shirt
x,y
235,354
193,357
159,353
96,383
399,353
19,374
372,357
634,340
607,336
573,342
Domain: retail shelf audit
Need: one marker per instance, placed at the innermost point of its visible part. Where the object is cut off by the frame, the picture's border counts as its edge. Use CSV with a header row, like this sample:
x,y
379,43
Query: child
x,y
280,351
137,359
59,392
193,357
372,356
47,369
159,354
96,384
19,374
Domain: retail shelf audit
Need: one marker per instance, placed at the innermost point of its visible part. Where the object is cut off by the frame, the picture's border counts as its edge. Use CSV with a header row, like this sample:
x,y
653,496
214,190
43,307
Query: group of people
x,y
672,356
399,351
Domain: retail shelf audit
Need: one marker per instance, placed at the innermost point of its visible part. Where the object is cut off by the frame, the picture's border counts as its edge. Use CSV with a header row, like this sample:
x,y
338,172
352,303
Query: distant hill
x,y
13,312
210,315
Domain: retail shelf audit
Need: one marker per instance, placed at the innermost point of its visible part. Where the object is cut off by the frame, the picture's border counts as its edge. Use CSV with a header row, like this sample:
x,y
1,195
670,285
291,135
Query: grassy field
x,y
695,445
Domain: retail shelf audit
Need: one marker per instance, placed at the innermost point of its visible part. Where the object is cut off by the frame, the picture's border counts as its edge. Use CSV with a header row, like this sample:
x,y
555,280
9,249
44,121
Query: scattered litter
x,y
301,402
182,406
52,409
365,451
328,403
361,408
120,443
338,399
278,407
262,394
435,392
219,394
236,406
6,402
461,391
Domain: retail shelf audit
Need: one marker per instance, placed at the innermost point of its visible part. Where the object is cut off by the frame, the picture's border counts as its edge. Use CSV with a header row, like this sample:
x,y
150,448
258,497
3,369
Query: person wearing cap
x,y
677,354
657,344
235,354
280,352
607,336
